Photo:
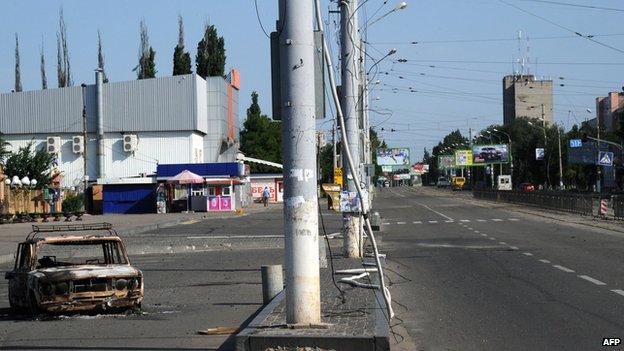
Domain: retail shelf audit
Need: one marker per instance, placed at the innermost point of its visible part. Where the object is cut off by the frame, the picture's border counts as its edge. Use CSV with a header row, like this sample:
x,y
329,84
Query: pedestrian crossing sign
x,y
605,158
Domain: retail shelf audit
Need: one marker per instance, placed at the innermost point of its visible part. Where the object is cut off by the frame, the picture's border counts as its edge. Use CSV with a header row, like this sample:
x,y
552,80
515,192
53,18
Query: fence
x,y
574,203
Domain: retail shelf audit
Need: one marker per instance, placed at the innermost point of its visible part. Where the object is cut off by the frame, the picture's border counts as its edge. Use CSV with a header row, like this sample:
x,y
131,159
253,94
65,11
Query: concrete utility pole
x,y
560,160
349,55
296,43
85,175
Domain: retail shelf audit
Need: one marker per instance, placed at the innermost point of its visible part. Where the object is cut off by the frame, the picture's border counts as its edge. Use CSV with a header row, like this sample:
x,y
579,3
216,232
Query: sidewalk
x,y
125,225
359,323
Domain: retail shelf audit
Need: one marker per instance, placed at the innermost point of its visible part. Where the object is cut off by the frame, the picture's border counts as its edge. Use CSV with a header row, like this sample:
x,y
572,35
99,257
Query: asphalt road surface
x,y
477,277
183,294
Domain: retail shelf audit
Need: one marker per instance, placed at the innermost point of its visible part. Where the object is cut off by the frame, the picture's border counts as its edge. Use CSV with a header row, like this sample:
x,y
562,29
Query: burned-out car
x,y
56,272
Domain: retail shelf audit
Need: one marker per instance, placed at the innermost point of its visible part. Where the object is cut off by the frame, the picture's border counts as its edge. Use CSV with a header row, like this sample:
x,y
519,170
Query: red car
x,y
527,188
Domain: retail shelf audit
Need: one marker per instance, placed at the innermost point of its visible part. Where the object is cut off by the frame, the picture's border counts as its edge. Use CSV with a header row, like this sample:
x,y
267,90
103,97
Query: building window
x,y
225,191
212,191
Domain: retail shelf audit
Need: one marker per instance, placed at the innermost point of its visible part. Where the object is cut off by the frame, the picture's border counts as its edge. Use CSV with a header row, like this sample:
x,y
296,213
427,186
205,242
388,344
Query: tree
x,y
44,78
35,164
147,56
210,59
4,149
18,78
261,137
181,58
63,68
101,58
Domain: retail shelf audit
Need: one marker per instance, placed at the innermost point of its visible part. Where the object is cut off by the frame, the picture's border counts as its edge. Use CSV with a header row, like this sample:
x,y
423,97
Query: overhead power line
x,y
561,3
481,40
584,36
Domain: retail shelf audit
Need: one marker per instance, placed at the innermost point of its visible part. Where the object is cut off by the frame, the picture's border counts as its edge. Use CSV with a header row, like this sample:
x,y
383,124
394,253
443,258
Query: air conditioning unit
x,y
130,142
78,144
53,145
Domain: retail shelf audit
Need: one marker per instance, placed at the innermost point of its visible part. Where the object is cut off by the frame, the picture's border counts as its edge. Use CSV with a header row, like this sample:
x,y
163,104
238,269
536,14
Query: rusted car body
x,y
73,272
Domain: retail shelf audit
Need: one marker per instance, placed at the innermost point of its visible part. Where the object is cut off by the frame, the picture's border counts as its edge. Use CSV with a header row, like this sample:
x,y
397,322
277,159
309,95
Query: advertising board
x,y
393,157
488,154
463,158
446,161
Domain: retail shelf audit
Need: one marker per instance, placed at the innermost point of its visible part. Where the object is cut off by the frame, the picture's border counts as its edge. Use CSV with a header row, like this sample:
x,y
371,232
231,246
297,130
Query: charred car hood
x,y
87,271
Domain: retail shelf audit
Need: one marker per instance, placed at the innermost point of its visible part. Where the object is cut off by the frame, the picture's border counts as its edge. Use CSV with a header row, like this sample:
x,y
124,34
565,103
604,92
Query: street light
x,y
510,154
401,6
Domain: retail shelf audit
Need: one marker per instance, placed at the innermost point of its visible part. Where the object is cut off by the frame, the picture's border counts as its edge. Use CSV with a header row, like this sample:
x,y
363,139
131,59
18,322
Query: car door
x,y
18,277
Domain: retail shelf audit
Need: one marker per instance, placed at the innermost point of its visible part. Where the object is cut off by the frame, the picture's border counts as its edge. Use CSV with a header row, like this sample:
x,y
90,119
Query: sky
x,y
457,52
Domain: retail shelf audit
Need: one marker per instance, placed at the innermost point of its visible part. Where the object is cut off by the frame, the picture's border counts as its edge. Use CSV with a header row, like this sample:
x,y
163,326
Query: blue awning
x,y
224,169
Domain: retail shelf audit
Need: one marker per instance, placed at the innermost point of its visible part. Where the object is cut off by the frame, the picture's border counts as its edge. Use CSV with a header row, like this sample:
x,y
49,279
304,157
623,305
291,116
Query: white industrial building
x,y
131,126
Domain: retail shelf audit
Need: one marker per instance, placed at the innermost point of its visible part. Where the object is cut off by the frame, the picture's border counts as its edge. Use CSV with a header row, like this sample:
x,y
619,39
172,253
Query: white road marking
x,y
492,238
565,269
465,220
497,220
476,231
483,234
502,243
481,220
434,211
469,228
449,221
527,254
618,291
400,222
433,221
417,222
544,261
514,219
514,248
593,280
385,223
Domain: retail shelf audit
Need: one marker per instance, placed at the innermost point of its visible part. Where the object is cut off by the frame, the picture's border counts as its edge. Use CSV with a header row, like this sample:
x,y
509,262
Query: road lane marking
x,y
492,238
483,234
465,220
502,243
433,221
385,223
434,211
417,222
514,219
400,222
514,248
527,254
497,220
449,221
544,261
476,231
481,220
565,269
618,291
233,236
593,280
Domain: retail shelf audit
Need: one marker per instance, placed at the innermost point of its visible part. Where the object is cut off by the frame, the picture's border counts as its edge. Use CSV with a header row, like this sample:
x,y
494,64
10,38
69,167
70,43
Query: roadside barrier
x,y
574,203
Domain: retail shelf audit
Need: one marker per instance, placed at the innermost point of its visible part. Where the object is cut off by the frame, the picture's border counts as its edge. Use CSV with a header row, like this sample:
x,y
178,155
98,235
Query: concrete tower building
x,y
524,96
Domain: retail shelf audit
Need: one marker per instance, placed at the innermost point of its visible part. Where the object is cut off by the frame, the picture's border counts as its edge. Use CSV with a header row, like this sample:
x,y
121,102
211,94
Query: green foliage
x,y
72,203
210,59
181,58
4,150
326,161
181,61
444,148
147,56
261,138
35,164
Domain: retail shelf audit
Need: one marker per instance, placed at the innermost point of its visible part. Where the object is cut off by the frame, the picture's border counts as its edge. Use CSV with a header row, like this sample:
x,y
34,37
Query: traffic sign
x,y
576,143
605,158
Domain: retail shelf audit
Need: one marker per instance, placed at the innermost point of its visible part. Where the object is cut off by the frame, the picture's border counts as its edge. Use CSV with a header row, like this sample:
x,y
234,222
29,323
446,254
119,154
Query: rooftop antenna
x,y
528,54
520,54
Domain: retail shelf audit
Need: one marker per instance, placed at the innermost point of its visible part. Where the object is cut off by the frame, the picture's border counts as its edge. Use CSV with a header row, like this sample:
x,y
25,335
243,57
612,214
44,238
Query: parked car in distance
x,y
443,182
527,187
458,183
73,273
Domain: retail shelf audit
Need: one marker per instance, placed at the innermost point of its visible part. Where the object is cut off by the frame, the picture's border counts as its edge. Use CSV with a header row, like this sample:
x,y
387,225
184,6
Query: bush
x,y
73,203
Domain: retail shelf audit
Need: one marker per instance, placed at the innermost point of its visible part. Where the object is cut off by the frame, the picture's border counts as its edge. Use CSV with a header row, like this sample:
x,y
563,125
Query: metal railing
x,y
574,203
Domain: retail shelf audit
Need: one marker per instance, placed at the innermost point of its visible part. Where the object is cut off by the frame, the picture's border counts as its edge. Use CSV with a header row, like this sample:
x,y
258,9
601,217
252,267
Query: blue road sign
x,y
576,143
605,158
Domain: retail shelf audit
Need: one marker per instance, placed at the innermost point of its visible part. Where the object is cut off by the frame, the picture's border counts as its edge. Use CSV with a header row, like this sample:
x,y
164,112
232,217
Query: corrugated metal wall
x,y
46,111
129,199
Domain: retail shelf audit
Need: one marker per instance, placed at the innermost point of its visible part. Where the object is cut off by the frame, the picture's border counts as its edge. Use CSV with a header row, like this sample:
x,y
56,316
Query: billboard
x,y
586,154
446,161
486,154
463,157
393,157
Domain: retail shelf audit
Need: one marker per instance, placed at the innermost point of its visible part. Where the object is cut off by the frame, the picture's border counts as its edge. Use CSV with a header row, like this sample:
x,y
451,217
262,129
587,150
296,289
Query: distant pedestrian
x,y
265,196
